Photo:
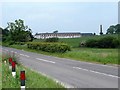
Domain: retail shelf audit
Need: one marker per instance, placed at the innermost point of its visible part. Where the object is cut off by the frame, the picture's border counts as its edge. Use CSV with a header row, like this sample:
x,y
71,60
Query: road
x,y
71,73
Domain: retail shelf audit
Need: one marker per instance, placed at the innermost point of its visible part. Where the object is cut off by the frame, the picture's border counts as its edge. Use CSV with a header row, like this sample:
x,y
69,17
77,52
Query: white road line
x,y
96,72
26,56
22,54
45,60
15,52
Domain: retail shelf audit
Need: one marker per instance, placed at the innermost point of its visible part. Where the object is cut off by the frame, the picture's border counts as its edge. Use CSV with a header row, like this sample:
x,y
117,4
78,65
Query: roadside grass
x,y
96,55
33,78
0,70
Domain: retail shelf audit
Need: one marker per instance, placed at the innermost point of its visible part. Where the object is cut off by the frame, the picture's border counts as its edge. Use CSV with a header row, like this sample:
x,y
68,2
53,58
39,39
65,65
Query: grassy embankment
x,y
0,70
33,79
97,55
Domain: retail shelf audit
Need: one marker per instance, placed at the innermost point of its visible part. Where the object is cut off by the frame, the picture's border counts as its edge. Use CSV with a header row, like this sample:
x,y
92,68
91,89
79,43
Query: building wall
x,y
70,35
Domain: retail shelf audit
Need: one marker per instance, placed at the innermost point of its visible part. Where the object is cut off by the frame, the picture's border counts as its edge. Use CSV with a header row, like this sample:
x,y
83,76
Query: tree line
x,y
16,32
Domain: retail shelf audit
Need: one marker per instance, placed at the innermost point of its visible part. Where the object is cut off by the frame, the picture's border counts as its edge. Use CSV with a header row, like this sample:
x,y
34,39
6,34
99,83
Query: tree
x,y
117,29
111,30
18,32
55,31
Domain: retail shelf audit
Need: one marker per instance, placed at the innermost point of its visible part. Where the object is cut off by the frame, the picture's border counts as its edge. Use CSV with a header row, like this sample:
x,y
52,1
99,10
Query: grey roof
x,y
57,33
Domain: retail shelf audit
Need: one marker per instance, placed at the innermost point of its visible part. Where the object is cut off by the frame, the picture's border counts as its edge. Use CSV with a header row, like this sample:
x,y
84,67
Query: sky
x,y
42,17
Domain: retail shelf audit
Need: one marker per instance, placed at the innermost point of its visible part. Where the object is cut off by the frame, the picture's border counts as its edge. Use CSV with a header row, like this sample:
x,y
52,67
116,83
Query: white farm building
x,y
60,35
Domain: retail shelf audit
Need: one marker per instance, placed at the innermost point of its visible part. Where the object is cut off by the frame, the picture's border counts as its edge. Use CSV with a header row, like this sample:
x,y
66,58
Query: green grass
x,y
75,42
33,79
97,55
103,56
0,71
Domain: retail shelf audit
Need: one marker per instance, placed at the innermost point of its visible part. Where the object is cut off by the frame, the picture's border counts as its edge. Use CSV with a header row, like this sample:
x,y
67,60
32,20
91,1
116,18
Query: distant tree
x,y
5,34
94,34
117,29
55,31
18,32
113,29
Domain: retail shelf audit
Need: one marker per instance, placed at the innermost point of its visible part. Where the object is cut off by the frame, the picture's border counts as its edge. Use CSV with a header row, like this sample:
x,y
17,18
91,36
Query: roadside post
x,y
10,63
13,69
22,78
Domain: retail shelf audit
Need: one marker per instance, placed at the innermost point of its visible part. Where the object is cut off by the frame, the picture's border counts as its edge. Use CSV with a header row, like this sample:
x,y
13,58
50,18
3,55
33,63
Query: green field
x,y
0,71
103,56
75,42
33,79
96,55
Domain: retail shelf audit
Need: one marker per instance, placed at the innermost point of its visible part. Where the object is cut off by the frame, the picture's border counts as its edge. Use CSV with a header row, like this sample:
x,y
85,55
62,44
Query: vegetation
x,y
104,42
0,70
54,39
33,79
16,32
95,55
49,47
113,29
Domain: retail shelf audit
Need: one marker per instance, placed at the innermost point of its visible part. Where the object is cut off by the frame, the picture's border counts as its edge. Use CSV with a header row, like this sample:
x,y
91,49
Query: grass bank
x,y
103,56
33,79
0,70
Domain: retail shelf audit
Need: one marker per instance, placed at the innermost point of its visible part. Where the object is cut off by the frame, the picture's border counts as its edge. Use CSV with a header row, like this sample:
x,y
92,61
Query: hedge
x,y
54,39
104,42
49,47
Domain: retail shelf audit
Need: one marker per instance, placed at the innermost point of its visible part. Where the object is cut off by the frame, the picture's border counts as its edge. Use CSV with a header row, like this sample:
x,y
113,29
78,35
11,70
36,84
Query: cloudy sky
x,y
62,16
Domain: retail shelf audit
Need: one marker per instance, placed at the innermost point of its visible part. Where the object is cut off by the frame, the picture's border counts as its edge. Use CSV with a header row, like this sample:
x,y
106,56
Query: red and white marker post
x,y
13,69
22,78
10,63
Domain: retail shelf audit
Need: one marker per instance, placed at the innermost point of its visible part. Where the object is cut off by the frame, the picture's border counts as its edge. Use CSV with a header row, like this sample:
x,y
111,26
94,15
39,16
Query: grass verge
x,y
33,79
103,56
0,70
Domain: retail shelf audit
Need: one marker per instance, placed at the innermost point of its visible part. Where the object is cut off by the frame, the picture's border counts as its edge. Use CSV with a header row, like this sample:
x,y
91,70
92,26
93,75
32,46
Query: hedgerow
x,y
104,42
49,47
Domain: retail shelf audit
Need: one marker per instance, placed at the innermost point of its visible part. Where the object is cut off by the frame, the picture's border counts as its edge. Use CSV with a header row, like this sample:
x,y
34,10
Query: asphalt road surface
x,y
71,73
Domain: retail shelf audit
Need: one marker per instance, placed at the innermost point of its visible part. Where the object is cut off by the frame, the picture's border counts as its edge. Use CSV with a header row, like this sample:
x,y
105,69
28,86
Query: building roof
x,y
57,33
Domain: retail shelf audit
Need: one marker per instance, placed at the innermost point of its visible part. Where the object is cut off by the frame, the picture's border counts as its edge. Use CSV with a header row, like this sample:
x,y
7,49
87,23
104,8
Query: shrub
x,y
92,43
49,47
54,39
104,42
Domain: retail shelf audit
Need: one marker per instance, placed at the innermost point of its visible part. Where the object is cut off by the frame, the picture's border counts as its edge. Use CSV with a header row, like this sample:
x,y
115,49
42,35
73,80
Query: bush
x,y
92,43
104,42
49,47
54,39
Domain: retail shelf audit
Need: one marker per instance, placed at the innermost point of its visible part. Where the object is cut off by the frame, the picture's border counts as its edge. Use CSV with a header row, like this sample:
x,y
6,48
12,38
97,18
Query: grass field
x,y
103,56
0,70
97,55
33,79
75,42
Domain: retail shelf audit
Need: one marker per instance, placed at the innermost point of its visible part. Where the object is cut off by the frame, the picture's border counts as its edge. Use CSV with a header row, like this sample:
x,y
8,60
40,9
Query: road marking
x,y
96,72
26,56
45,60
22,54
15,52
